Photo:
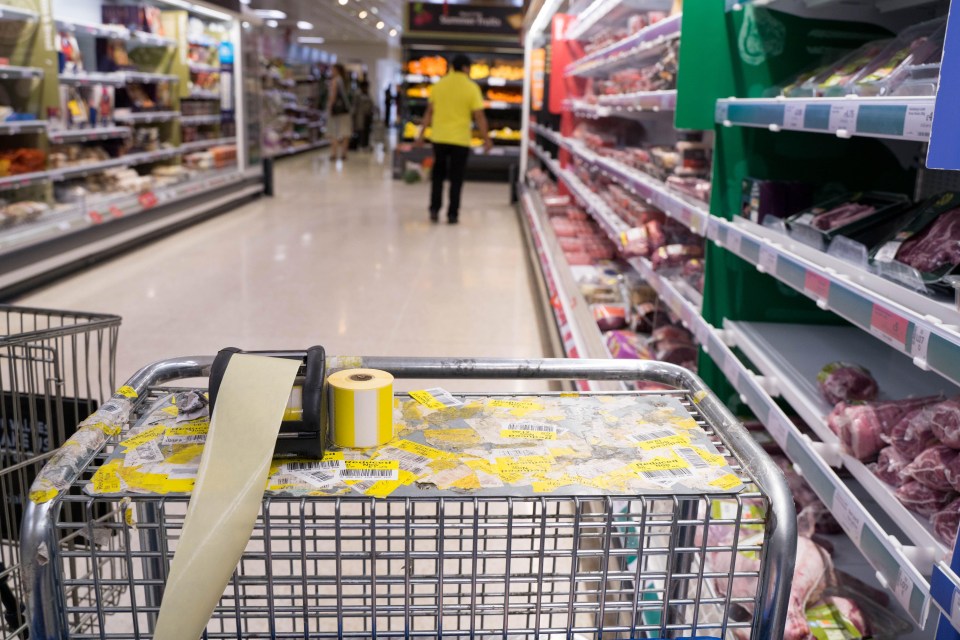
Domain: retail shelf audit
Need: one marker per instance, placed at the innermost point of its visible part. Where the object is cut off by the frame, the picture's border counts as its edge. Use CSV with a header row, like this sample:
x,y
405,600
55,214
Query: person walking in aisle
x,y
363,115
387,106
455,103
339,113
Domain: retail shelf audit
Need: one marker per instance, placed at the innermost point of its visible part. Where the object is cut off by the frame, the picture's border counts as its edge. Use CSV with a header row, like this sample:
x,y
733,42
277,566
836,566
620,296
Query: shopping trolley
x,y
55,368
432,563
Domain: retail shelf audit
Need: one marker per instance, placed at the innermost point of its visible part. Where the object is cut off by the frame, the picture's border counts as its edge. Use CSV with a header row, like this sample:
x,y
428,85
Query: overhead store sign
x,y
425,17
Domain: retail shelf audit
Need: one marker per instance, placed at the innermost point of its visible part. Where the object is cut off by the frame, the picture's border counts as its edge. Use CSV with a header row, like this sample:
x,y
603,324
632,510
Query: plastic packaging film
x,y
228,492
362,407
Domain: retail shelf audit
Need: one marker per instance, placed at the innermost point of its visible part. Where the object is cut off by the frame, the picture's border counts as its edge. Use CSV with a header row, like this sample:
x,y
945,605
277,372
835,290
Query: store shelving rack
x,y
35,250
769,366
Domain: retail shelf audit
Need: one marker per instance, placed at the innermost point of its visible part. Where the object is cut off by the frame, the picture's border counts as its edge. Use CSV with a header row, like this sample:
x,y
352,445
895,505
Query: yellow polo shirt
x,y
454,99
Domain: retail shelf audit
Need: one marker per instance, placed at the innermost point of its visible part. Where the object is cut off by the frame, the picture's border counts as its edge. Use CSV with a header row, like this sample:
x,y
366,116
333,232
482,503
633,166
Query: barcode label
x,y
412,462
652,435
667,474
529,431
147,453
519,452
195,439
369,474
692,457
532,426
443,396
313,465
316,478
283,480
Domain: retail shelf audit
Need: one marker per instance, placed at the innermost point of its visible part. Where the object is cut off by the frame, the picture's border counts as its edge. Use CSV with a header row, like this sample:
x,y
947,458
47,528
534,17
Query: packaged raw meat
x,y
913,433
927,243
890,466
627,345
609,317
922,499
671,333
844,382
816,517
864,429
836,618
930,467
945,417
675,255
945,523
681,353
904,61
866,217
810,577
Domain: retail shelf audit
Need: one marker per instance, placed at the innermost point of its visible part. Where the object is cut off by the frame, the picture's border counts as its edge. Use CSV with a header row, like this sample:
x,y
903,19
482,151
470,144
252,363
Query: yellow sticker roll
x,y
362,402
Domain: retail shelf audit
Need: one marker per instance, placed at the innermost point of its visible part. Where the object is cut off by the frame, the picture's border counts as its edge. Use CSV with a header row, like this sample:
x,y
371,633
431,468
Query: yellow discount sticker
x,y
660,443
523,405
726,482
422,450
660,464
143,437
426,399
41,496
127,392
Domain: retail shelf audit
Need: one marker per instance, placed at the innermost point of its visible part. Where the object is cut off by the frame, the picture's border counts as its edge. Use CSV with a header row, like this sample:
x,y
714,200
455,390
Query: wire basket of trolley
x,y
324,504
56,367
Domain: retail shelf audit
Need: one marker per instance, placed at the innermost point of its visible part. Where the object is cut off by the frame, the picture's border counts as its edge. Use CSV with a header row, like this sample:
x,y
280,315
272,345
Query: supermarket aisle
x,y
344,259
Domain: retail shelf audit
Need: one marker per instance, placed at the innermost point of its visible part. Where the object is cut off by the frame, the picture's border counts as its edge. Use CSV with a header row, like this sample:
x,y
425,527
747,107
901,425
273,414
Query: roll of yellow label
x,y
362,402
227,495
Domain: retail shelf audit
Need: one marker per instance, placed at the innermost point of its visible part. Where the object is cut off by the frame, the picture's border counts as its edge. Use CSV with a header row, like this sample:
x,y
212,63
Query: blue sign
x,y
944,152
226,53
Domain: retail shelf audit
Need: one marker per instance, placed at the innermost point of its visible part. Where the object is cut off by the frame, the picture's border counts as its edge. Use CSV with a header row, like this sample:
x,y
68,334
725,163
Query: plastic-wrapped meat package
x,y
626,345
864,428
806,501
913,433
810,577
671,333
693,273
935,247
647,316
675,255
844,382
945,523
609,317
833,617
570,244
562,227
890,466
635,243
842,215
930,467
655,234
945,417
922,499
578,259
681,353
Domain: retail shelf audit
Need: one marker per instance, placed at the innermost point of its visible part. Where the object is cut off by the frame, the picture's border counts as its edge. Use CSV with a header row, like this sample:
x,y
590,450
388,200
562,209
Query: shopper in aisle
x,y
388,101
339,113
363,115
455,103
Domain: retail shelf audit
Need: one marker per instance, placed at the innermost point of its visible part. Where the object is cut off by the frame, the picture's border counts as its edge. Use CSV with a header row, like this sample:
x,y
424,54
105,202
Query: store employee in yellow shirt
x,y
455,102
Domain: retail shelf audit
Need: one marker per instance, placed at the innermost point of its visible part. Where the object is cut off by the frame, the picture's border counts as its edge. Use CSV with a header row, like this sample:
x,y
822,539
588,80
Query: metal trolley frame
x,y
445,565
56,367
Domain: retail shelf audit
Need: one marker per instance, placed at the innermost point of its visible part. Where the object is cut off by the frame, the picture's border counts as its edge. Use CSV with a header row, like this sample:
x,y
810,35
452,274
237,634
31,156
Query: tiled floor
x,y
342,256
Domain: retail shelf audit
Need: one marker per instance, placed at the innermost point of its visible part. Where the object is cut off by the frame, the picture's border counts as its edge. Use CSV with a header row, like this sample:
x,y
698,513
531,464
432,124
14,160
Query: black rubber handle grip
x,y
216,373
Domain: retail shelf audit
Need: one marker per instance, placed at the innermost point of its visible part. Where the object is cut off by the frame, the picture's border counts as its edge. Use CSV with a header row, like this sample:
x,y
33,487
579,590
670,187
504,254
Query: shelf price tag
x,y
115,211
734,241
848,515
817,286
776,426
903,589
843,117
95,217
920,343
767,260
148,200
888,326
793,116
918,122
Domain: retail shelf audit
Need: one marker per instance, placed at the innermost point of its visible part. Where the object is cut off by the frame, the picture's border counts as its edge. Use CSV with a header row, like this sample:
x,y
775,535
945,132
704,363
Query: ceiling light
x,y
310,40
375,10
393,32
273,24
363,14
303,24
343,2
244,1
380,25
274,14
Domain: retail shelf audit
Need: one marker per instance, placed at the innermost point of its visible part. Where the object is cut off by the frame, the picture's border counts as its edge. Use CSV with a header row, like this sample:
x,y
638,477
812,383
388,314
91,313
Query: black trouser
x,y
449,163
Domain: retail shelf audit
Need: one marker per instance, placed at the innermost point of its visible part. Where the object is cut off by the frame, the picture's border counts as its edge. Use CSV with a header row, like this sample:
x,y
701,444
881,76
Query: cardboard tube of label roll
x,y
227,495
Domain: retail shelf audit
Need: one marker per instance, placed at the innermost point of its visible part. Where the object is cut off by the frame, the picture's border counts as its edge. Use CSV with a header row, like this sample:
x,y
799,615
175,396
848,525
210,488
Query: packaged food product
x,y
864,216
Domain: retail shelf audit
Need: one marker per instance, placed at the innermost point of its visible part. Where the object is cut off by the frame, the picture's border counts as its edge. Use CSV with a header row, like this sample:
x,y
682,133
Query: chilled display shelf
x,y
197,67
147,116
15,127
198,145
293,149
149,78
899,118
9,13
601,13
129,160
202,94
152,40
792,355
86,135
116,78
202,41
625,105
579,333
629,51
109,31
200,120
102,210
22,180
8,72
